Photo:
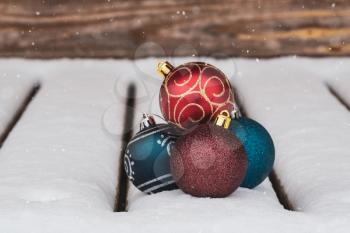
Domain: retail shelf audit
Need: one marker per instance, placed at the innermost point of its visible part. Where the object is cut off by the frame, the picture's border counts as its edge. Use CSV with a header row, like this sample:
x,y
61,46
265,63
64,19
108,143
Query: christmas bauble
x,y
146,160
193,93
259,149
208,162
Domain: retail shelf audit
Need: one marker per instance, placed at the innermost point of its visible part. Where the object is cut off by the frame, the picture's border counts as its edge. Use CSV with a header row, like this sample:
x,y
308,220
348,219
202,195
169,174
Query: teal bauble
x,y
146,159
259,149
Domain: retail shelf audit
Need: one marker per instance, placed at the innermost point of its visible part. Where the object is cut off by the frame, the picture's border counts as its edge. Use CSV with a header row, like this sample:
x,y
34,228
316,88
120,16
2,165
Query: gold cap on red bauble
x,y
164,68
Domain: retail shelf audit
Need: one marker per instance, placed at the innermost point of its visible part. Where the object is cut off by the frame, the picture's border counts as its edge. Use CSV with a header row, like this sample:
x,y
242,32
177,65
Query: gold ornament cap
x,y
164,68
223,119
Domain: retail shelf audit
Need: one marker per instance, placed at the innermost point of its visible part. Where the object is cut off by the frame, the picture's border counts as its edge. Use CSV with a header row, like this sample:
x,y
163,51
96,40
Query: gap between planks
x,y
17,116
122,187
273,177
336,95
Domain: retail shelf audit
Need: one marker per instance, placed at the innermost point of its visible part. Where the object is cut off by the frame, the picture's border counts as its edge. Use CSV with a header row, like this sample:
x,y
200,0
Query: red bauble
x,y
193,93
208,162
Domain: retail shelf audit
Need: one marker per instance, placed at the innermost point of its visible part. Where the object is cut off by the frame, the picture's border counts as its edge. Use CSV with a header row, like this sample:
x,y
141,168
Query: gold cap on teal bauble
x,y
146,158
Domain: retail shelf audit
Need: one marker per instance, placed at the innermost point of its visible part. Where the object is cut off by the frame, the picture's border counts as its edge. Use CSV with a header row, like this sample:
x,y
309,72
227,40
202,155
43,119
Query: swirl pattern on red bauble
x,y
194,93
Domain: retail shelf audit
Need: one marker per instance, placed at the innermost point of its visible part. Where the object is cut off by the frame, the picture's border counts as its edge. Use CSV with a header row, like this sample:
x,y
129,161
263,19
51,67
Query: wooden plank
x,y
49,29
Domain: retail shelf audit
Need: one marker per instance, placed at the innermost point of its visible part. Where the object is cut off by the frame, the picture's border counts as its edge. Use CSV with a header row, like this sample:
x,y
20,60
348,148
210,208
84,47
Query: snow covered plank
x,y
15,92
61,154
59,162
310,128
43,187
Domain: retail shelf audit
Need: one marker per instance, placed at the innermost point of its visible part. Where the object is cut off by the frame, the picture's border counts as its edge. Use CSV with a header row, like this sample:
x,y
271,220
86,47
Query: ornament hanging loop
x,y
164,68
223,119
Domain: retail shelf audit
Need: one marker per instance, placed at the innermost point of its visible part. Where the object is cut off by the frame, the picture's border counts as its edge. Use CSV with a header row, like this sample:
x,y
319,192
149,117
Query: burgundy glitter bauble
x,y
208,162
193,93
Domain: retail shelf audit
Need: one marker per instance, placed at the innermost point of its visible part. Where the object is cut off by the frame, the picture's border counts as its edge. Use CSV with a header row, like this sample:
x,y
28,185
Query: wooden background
x,y
116,28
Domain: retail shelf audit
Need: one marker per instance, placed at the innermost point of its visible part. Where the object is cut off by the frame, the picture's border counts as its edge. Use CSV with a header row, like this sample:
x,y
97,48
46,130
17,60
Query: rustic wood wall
x,y
117,28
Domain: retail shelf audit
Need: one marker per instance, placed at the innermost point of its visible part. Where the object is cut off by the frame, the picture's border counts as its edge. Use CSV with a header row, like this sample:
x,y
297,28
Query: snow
x,y
334,72
59,166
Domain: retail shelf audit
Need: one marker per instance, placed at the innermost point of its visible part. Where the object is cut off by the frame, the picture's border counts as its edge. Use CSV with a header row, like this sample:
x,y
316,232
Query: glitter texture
x,y
259,148
208,162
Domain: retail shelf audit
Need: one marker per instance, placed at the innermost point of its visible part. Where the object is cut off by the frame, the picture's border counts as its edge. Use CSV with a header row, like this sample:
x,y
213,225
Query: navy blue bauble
x,y
259,149
146,160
